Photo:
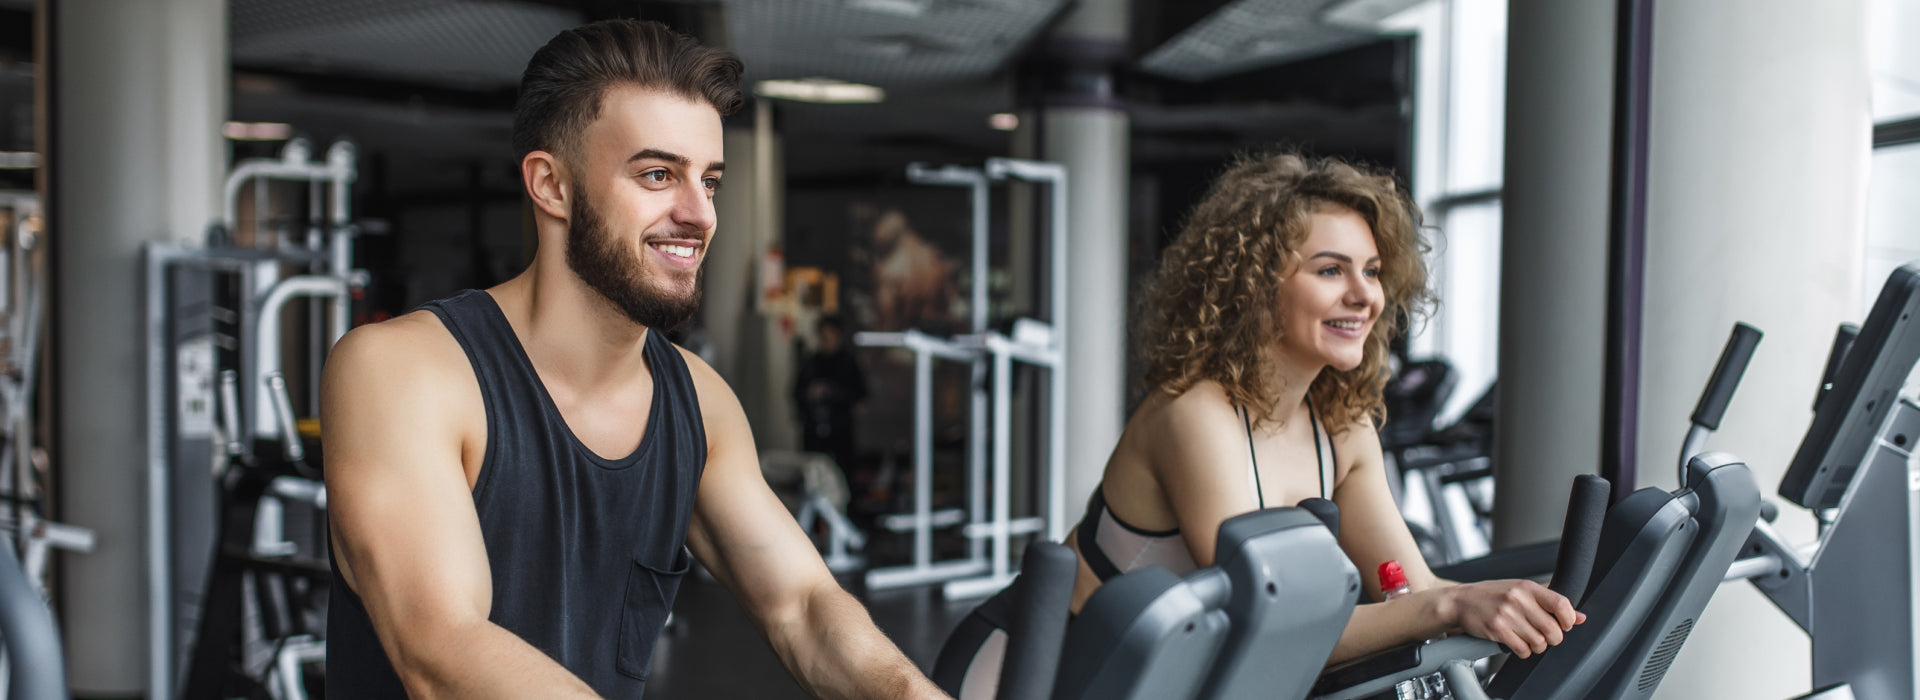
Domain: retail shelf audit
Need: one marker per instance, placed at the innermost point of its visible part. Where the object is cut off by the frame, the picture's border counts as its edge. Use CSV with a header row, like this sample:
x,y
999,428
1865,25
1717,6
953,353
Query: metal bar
x,y
1898,133
1002,462
922,459
159,517
267,337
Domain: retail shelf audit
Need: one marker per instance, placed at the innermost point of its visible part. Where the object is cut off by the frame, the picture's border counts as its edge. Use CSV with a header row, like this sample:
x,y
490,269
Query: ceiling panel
x,y
896,44
474,43
1248,34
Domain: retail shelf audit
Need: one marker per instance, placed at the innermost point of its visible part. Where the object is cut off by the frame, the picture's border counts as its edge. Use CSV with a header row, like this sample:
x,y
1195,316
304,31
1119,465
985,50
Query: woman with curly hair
x,y
1265,340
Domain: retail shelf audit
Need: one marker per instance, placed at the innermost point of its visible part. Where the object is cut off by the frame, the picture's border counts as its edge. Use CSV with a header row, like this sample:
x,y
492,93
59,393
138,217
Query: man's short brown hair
x,y
561,91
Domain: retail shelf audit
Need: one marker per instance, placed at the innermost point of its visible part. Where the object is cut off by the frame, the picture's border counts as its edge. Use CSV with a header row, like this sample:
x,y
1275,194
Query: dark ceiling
x,y
434,79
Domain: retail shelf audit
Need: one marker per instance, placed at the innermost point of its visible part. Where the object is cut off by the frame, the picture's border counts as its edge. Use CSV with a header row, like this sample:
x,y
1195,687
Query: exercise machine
x,y
237,555
988,523
1855,591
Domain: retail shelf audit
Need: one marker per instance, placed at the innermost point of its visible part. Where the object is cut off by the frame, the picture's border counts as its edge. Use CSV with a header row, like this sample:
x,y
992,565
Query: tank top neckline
x,y
551,410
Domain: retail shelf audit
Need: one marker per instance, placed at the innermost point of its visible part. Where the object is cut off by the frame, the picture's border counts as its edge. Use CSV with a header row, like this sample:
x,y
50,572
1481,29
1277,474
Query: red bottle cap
x,y
1391,576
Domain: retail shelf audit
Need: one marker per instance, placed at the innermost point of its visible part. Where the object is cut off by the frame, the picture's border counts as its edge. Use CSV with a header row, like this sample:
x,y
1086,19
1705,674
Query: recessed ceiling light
x,y
257,131
820,90
898,8
1004,121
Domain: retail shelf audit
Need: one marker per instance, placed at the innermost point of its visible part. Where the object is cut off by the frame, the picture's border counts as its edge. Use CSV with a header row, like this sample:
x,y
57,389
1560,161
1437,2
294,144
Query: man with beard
x,y
518,476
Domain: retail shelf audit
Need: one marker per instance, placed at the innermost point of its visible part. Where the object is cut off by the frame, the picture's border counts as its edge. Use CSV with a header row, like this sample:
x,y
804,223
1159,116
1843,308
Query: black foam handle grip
x,y
1580,539
1842,342
1326,511
1726,376
1038,629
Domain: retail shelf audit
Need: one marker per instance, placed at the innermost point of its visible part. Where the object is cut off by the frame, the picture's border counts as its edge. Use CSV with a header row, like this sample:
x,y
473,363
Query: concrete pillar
x,y
1553,271
1086,128
1760,146
139,95
751,348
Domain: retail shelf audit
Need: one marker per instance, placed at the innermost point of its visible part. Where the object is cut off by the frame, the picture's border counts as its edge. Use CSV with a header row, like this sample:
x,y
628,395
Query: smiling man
x,y
520,476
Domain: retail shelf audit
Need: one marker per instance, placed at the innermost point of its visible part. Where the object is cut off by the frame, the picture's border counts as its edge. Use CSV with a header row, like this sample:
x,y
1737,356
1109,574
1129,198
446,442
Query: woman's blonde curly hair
x,y
1208,310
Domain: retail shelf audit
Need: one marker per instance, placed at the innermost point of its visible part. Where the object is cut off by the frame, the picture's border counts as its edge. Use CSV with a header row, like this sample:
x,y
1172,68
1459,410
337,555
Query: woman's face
x,y
1331,298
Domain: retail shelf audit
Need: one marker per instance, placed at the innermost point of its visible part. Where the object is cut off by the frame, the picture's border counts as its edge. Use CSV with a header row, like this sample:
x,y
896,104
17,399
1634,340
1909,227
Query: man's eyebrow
x,y
657,154
675,158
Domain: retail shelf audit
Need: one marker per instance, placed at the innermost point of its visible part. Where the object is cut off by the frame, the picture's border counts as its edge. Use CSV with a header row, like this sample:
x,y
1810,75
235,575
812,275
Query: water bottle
x,y
1393,584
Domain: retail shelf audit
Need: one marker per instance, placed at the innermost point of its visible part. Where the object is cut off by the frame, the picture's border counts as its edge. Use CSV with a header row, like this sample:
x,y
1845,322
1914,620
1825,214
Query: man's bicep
x,y
402,518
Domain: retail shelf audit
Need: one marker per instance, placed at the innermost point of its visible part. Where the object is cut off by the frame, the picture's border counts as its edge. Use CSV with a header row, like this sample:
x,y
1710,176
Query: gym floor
x,y
713,651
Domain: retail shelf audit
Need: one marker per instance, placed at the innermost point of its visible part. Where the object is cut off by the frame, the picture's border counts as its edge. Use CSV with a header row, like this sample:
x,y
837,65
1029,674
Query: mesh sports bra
x,y
1112,547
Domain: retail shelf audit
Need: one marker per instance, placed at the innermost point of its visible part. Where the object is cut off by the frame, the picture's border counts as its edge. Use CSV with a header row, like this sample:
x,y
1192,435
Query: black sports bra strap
x,y
1319,457
1259,492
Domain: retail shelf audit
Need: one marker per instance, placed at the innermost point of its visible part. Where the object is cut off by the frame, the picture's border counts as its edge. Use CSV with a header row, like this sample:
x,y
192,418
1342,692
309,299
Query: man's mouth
x,y
678,251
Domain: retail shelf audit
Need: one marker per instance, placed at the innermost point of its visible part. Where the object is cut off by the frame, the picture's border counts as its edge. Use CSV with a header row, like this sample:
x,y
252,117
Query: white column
x,y
1086,129
139,97
1553,272
1092,143
1761,139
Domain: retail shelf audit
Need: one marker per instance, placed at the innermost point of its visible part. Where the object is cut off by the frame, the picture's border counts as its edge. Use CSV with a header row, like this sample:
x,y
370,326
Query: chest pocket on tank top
x,y
653,579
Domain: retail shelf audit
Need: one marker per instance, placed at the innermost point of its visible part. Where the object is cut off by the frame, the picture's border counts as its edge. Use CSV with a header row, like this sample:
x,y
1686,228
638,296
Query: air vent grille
x,y
1657,664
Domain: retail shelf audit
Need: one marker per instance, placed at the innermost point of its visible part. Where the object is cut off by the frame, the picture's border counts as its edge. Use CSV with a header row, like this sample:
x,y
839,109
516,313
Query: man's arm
x,y
397,401
745,536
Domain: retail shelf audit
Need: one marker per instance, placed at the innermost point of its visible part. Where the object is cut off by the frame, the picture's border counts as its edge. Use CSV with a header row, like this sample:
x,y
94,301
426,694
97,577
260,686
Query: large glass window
x,y
1893,207
1459,138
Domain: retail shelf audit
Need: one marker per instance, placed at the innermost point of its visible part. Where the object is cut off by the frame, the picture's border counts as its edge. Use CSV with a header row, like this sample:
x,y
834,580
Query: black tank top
x,y
586,553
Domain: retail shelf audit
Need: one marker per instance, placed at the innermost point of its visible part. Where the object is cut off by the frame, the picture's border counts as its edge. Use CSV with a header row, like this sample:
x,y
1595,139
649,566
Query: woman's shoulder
x,y
1199,415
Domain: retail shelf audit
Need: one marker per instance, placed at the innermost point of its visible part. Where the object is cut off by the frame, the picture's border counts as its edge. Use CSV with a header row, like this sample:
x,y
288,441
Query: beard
x,y
618,276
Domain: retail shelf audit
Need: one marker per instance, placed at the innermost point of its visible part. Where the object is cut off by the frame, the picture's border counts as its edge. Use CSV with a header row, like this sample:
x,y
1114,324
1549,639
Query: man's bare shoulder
x,y
412,348
410,367
720,411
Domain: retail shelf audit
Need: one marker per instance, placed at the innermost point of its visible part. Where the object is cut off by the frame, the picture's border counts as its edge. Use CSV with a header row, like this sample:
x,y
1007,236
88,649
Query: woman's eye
x,y
1329,271
1373,272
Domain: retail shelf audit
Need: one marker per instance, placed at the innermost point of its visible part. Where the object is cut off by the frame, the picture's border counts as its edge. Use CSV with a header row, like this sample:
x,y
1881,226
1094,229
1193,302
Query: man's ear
x,y
547,184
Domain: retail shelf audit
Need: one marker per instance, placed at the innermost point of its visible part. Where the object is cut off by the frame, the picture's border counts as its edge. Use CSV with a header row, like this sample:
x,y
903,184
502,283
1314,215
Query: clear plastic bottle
x,y
1393,584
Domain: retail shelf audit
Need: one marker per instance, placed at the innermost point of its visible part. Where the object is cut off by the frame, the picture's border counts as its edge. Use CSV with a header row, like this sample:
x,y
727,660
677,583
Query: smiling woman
x,y
1266,333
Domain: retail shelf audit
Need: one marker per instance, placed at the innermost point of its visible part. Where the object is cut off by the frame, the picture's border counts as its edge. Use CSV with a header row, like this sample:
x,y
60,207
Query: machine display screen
x,y
1864,389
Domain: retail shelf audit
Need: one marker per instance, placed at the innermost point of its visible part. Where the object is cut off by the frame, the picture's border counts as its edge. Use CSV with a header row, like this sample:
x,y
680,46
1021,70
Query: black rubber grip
x,y
1038,630
1326,511
1580,539
1726,376
1842,342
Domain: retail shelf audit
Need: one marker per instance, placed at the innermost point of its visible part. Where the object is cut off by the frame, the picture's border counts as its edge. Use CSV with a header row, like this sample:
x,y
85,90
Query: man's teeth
x,y
682,251
1345,325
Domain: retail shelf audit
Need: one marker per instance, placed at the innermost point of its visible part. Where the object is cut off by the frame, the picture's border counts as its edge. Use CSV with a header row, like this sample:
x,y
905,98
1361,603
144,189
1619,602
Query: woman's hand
x,y
1525,616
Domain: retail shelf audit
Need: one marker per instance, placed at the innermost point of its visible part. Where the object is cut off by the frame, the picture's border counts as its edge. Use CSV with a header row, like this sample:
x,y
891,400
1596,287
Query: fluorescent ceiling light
x,y
257,131
898,8
1365,15
820,90
19,160
1004,121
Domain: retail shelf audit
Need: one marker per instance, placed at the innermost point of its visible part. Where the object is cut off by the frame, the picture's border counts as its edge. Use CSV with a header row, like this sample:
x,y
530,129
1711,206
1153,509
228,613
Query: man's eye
x,y
654,175
712,183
